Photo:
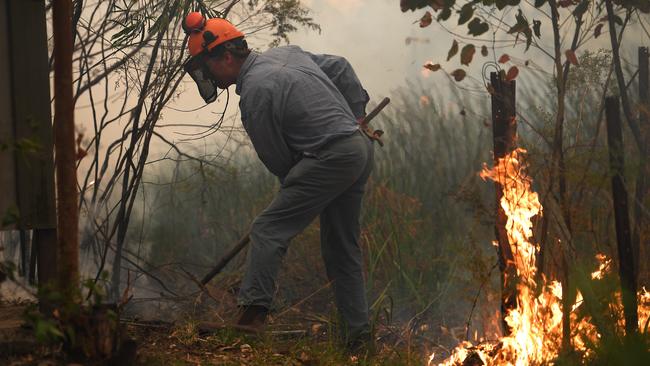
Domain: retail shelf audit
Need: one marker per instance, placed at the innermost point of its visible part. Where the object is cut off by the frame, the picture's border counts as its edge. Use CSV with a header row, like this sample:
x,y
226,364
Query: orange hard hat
x,y
207,34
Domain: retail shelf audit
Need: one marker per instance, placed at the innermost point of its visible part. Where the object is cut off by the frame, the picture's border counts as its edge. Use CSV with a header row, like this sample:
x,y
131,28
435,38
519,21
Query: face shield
x,y
198,70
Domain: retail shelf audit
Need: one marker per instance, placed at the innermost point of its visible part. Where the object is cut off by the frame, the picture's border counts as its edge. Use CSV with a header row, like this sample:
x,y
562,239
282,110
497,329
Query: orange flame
x,y
603,268
536,322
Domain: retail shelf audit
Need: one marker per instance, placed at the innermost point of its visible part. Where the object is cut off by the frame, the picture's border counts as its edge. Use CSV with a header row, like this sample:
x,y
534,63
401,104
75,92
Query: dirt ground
x,y
162,343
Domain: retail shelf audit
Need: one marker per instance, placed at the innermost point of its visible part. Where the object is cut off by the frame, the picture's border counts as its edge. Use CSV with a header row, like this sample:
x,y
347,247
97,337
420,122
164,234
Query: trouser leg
x,y
309,187
340,231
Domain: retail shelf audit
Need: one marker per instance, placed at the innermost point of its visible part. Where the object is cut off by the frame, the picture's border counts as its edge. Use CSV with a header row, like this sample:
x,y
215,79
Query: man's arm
x,y
339,70
265,131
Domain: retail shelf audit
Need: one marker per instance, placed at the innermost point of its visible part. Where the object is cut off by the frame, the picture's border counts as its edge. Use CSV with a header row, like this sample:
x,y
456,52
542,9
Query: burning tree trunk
x,y
504,127
621,216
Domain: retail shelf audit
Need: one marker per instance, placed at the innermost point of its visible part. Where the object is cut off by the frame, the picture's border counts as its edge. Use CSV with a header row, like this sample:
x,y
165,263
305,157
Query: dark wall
x,y
26,153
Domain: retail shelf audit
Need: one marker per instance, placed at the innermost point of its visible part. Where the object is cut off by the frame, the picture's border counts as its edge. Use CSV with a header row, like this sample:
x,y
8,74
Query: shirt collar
x,y
245,67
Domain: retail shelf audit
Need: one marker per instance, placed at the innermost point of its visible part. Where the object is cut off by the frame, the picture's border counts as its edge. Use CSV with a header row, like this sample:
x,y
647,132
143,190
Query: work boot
x,y
252,319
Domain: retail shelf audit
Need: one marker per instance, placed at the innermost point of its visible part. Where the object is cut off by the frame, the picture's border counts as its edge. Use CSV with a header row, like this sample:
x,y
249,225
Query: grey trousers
x,y
330,184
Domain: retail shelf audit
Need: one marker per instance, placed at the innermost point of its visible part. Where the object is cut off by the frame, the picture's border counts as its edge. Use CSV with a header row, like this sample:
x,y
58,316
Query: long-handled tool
x,y
374,135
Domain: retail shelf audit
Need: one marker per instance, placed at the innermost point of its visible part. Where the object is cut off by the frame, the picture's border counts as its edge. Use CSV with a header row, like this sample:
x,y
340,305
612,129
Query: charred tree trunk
x,y
504,129
641,221
66,175
621,216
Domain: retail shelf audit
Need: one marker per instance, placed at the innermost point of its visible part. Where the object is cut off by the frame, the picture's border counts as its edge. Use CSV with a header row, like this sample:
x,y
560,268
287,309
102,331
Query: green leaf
x,y
444,14
500,4
477,27
529,38
618,20
539,3
581,8
467,54
537,28
11,216
466,13
453,50
406,5
598,30
642,5
521,25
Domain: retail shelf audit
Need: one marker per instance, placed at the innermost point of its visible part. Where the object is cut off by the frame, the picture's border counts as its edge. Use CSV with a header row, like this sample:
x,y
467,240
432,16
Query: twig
x,y
304,299
478,293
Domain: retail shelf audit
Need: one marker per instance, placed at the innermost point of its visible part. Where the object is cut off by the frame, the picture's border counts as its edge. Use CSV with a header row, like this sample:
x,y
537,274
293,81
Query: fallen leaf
x,y
512,73
484,51
459,74
504,58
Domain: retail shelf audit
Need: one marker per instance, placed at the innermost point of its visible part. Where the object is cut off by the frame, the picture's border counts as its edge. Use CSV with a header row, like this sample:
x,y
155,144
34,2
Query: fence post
x,y
621,216
504,129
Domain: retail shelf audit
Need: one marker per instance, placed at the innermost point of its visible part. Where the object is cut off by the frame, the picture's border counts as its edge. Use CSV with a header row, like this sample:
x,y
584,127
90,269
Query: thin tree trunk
x,y
621,216
640,220
64,130
559,168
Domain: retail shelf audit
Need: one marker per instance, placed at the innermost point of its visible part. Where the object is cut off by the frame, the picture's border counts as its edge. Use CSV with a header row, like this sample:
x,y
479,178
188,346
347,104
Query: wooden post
x,y
621,216
504,129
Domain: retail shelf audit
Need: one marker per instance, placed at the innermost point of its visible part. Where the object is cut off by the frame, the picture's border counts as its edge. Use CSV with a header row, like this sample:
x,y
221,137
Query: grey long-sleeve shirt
x,y
293,102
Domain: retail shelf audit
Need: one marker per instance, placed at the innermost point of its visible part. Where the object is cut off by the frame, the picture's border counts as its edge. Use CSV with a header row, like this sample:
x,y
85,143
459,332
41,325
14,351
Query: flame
x,y
644,309
536,322
603,267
